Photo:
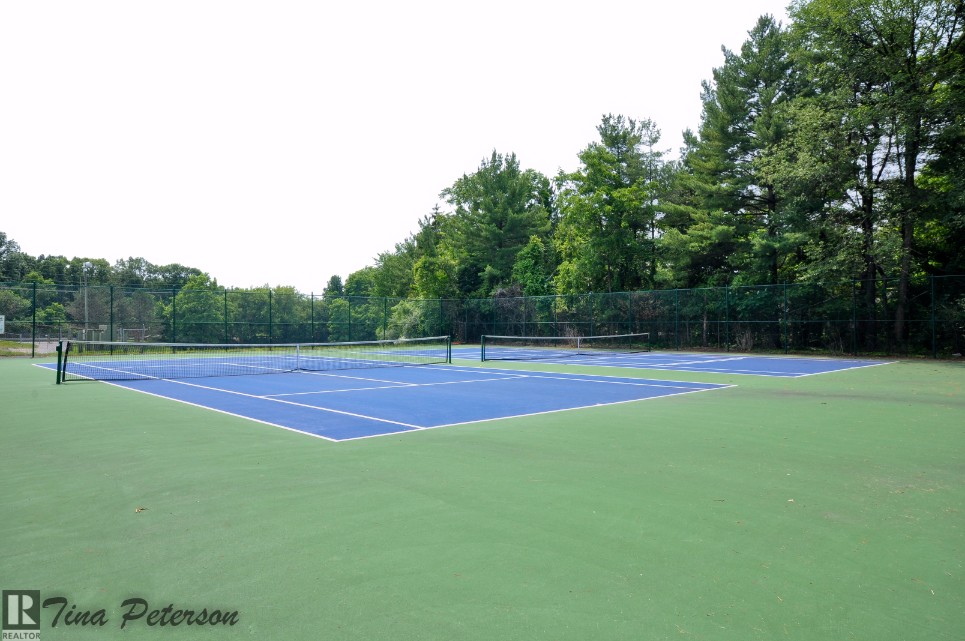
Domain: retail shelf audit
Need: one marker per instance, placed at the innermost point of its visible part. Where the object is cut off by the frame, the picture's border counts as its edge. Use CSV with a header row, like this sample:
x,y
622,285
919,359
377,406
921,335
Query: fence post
x,y
112,312
33,323
226,315
629,313
174,315
934,339
493,299
727,317
591,301
785,319
556,315
854,317
676,318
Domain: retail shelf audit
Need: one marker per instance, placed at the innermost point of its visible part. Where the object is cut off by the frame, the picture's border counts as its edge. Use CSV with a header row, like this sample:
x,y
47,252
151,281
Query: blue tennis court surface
x,y
782,366
364,403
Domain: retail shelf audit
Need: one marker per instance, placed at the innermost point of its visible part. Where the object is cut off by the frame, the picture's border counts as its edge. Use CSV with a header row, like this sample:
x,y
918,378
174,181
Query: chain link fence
x,y
854,317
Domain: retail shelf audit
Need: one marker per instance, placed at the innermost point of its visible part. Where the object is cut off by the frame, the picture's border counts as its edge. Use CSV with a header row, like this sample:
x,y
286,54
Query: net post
x,y
60,353
66,356
449,349
482,345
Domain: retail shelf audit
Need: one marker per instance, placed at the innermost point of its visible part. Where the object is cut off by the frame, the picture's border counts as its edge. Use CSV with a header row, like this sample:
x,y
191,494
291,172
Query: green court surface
x,y
821,508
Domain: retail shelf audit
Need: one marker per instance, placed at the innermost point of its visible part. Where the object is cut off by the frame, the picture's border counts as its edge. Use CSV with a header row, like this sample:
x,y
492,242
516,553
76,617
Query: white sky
x,y
281,142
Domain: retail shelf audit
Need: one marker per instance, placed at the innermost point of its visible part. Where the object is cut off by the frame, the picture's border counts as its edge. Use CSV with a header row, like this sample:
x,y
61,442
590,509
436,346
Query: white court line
x,y
701,362
220,411
758,372
565,409
353,378
397,386
642,383
696,369
311,407
576,378
144,377
336,391
512,372
503,375
845,369
635,361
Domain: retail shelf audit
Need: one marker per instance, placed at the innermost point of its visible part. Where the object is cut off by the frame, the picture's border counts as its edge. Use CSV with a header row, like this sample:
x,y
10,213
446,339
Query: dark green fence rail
x,y
854,317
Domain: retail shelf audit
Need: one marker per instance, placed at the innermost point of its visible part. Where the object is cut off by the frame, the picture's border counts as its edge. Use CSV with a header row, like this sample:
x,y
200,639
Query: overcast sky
x,y
283,142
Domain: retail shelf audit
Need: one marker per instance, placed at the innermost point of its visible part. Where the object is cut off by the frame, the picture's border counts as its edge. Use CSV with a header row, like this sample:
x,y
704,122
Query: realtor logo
x,y
21,613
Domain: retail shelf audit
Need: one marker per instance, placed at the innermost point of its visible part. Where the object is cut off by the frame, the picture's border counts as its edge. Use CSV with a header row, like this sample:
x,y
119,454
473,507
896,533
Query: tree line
x,y
828,149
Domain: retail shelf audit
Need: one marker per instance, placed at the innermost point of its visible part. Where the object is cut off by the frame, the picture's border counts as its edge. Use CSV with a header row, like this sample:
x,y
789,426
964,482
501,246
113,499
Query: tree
x,y
174,275
436,271
368,312
497,210
393,275
685,260
334,287
133,272
196,313
8,246
56,268
12,303
14,264
290,314
360,283
530,269
833,167
743,119
898,56
698,255
606,234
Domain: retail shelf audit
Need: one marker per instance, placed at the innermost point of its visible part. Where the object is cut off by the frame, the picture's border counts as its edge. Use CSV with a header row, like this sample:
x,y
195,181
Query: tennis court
x,y
717,363
350,404
348,391
805,508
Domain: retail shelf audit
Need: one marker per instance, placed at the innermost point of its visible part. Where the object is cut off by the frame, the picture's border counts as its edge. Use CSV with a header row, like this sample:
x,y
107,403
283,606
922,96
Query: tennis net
x,y
519,348
112,361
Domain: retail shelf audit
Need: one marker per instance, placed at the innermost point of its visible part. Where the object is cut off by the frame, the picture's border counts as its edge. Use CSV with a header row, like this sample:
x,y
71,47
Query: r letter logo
x,y
21,611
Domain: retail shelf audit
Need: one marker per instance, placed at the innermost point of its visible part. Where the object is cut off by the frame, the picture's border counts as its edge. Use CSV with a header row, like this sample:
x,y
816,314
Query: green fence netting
x,y
853,317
